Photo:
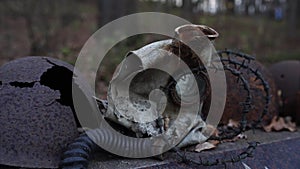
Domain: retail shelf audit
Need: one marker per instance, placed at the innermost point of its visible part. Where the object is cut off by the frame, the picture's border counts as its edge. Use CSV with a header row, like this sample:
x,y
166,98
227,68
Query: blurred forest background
x,y
268,29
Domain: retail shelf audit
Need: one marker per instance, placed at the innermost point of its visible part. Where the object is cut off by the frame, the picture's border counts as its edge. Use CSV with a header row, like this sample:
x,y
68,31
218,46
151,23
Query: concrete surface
x,y
277,150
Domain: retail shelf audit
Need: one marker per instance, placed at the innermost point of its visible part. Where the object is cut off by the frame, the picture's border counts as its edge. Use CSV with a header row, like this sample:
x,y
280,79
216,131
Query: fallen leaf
x,y
232,123
280,123
238,137
289,124
214,142
269,127
204,146
210,130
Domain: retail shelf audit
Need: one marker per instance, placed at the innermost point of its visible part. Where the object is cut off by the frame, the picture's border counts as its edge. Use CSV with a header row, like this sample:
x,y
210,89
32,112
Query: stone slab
x,y
277,150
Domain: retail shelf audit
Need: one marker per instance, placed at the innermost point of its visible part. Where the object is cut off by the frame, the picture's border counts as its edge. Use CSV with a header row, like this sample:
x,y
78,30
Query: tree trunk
x,y
292,16
188,10
113,9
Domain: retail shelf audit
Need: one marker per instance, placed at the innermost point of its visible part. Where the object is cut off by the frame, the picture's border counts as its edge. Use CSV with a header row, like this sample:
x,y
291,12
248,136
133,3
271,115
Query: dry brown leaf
x,y
214,142
166,123
204,146
238,137
210,130
233,123
290,125
280,123
269,127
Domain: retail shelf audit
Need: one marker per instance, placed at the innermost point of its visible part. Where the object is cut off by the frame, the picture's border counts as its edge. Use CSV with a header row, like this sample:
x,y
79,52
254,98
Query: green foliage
x,y
263,37
66,51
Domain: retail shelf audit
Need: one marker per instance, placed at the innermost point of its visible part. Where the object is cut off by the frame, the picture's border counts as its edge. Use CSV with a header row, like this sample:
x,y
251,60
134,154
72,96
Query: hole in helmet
x,y
21,84
60,78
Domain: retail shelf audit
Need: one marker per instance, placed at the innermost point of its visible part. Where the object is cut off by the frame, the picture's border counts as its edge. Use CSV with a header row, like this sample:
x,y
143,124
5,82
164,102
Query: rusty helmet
x,y
37,118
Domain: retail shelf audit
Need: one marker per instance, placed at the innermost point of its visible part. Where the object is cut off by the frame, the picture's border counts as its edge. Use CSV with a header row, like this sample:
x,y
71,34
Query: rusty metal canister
x,y
236,94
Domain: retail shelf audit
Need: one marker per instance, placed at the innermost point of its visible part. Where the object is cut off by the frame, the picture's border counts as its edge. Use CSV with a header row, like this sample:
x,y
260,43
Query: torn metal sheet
x,y
144,99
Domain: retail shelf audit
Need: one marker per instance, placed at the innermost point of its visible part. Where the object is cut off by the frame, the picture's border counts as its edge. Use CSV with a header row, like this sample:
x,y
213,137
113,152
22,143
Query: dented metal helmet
x,y
287,78
37,116
156,96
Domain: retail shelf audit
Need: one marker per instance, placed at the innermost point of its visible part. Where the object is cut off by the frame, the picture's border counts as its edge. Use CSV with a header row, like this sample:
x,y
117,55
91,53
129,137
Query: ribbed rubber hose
x,y
78,153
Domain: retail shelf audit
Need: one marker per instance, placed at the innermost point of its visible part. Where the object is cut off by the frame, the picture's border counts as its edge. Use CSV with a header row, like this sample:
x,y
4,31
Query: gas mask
x,y
157,82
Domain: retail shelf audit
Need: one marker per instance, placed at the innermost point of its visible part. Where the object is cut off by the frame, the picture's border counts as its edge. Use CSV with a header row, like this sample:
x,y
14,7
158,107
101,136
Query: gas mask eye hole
x,y
186,88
